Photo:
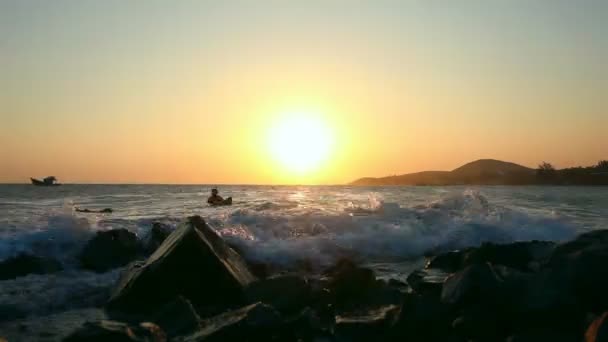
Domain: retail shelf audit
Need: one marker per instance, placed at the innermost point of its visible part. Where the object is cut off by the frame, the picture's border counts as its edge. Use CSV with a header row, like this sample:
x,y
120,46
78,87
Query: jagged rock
x,y
373,324
24,264
158,233
593,239
193,262
286,293
109,249
103,331
422,318
598,330
255,322
476,283
582,263
178,318
427,281
524,256
349,282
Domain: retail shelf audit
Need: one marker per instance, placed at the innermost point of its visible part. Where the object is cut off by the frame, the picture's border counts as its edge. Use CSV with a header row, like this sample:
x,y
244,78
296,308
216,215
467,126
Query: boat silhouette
x,y
48,181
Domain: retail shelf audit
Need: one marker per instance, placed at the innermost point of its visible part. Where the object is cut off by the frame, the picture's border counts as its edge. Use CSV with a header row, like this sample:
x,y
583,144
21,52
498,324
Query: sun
x,y
300,141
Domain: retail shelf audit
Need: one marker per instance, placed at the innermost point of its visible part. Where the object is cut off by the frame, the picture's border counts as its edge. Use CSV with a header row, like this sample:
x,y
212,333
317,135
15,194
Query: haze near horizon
x,y
316,92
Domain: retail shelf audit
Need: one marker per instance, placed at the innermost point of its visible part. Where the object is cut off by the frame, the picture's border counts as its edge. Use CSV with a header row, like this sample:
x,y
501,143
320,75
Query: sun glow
x,y
300,141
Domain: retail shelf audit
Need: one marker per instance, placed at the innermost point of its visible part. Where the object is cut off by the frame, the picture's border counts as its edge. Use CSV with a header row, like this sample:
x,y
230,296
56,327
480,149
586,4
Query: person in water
x,y
215,198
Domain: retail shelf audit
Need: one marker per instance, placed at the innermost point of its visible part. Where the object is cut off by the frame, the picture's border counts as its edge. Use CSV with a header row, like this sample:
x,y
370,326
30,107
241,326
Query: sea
x,y
390,228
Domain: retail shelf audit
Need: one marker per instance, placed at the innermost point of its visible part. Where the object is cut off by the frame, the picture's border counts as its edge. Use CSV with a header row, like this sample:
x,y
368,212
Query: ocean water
x,y
387,228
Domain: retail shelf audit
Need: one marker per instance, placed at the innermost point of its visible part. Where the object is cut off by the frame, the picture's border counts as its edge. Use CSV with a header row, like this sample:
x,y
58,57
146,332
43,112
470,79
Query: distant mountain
x,y
483,171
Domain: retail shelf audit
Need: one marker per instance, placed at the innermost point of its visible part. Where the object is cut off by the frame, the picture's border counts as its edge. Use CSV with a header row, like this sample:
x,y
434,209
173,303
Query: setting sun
x,y
300,141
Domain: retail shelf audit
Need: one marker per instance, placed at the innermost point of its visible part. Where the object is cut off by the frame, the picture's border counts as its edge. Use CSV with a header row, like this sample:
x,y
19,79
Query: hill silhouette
x,y
497,172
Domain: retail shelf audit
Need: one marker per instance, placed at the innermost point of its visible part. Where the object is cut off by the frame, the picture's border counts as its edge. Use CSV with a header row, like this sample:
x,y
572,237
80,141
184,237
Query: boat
x,y
48,181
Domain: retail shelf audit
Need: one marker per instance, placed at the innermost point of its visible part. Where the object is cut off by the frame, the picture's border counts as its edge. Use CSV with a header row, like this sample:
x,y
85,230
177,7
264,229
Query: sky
x,y
151,91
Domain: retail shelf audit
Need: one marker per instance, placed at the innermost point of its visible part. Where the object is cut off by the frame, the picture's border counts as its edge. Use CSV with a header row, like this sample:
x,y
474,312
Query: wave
x,y
385,231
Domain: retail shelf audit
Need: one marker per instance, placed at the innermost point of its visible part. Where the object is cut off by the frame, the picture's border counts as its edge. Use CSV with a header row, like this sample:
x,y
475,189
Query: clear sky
x,y
188,91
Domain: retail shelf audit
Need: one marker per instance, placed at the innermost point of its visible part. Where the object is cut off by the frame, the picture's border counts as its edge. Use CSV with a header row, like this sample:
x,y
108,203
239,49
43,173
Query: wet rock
x,y
103,331
582,263
178,318
158,233
286,293
109,249
422,318
366,326
476,283
427,281
24,264
524,256
255,322
193,262
598,329
543,300
349,282
593,239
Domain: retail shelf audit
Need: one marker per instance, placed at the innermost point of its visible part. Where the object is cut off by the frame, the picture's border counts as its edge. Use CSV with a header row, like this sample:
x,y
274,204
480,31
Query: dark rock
x,y
422,318
286,293
553,335
24,264
583,241
193,262
543,300
256,322
452,261
524,256
103,331
582,263
479,323
307,326
476,283
109,249
427,281
178,318
373,324
598,329
349,282
158,233
398,284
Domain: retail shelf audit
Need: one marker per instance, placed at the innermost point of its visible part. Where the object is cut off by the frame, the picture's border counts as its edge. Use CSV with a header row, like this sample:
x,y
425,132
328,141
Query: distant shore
x,y
496,172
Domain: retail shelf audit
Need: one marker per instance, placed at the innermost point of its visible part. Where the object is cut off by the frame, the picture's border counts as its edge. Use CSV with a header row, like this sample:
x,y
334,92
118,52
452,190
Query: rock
x,y
255,322
598,329
583,241
518,255
193,262
373,324
349,282
178,318
428,281
452,261
552,335
158,233
422,318
476,283
24,264
286,293
542,301
103,331
582,263
109,249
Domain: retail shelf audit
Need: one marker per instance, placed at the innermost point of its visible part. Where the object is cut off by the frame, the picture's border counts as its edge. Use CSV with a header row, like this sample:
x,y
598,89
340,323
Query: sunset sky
x,y
276,92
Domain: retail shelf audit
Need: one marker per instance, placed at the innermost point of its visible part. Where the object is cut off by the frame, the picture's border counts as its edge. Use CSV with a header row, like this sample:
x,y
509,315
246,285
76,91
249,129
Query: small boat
x,y
48,181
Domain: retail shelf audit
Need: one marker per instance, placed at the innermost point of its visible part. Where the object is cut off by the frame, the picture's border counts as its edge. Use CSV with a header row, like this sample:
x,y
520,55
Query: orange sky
x,y
128,92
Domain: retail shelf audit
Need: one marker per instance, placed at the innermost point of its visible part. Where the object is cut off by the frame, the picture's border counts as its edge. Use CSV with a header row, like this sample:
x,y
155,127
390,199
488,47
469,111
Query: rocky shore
x,y
193,286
